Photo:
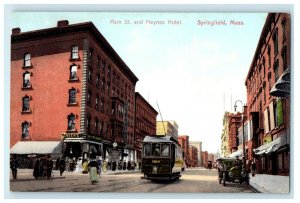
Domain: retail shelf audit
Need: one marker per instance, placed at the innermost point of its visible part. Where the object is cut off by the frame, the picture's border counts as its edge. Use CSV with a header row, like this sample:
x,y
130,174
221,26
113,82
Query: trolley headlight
x,y
154,169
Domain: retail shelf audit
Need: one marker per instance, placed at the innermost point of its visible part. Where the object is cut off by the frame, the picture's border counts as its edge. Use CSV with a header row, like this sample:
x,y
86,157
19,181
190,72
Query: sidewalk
x,y
264,183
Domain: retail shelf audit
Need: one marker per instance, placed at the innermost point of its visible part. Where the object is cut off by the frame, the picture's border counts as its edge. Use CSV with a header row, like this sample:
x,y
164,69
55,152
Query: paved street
x,y
197,180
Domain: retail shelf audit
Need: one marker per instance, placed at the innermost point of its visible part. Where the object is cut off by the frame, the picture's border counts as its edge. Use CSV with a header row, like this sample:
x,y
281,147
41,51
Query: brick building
x,y
167,128
205,160
269,116
193,156
69,86
198,145
145,122
183,140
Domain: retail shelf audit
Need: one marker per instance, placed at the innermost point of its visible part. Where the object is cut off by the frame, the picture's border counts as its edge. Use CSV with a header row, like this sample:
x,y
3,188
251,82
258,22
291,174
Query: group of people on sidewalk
x,y
43,167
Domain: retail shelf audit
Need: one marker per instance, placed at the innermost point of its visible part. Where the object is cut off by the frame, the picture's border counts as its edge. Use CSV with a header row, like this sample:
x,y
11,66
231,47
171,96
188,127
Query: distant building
x,y
204,156
198,145
167,128
183,140
193,156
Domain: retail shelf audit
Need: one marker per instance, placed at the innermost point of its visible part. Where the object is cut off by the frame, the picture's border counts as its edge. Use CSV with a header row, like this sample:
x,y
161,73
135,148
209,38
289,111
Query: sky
x,y
194,70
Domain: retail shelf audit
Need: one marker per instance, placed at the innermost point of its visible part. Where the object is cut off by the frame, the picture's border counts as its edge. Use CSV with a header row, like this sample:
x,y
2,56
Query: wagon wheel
x,y
224,176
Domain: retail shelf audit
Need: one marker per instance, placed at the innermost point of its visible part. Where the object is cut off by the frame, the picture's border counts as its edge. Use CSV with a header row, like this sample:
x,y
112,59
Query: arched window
x,y
25,130
71,122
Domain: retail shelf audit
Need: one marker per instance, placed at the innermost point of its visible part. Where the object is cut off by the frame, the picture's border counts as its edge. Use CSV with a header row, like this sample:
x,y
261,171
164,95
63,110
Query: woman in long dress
x,y
93,165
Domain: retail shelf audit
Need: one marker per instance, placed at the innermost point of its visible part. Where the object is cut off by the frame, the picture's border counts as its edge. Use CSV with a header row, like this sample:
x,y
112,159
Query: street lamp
x,y
243,141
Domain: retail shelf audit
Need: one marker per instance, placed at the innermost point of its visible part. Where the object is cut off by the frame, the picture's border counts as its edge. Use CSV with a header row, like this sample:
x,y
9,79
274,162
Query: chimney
x,y
16,31
62,23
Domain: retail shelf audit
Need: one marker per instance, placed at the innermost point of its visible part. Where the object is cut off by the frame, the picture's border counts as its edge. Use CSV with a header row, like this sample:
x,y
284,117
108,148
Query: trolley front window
x,y
147,150
165,150
155,149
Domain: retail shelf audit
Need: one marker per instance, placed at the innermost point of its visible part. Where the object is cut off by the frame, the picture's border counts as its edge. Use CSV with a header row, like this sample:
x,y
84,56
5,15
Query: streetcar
x,y
161,158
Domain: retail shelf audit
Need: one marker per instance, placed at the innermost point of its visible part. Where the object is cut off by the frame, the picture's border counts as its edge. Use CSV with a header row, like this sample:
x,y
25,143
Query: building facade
x,y
183,140
167,128
145,122
69,85
198,145
205,160
193,156
269,116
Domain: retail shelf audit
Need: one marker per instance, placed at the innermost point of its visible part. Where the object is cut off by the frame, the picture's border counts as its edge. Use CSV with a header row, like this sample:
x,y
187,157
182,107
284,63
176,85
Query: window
x,y
275,40
269,55
155,149
147,150
88,123
98,61
91,55
165,148
71,122
73,72
108,87
26,106
72,96
103,84
103,65
283,24
25,130
284,59
96,126
26,80
74,52
27,60
89,95
97,102
276,67
102,104
97,80
90,75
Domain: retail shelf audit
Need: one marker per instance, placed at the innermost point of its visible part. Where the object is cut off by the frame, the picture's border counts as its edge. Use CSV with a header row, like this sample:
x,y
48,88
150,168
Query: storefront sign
x,y
114,155
78,135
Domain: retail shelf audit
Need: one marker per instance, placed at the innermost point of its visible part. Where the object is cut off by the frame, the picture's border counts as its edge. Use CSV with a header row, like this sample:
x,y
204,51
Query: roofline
x,y
86,26
137,94
263,34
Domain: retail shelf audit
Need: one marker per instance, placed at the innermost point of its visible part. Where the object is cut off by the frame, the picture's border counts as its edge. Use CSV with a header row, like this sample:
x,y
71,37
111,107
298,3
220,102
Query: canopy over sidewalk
x,y
37,147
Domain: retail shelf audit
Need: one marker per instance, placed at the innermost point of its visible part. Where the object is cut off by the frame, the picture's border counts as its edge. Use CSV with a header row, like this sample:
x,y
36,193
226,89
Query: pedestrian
x,y
49,166
62,165
57,163
99,161
93,168
253,168
14,167
36,172
85,167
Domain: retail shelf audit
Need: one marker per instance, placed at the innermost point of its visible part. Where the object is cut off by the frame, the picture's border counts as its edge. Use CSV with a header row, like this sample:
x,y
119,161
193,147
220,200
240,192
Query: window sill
x,y
27,88
72,104
74,80
74,59
27,67
26,112
71,131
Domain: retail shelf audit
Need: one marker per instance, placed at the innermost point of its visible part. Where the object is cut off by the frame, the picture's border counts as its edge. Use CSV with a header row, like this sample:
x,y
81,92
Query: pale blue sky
x,y
188,69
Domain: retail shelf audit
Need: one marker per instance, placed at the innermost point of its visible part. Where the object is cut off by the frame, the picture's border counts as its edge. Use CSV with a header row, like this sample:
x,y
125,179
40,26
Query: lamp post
x,y
243,139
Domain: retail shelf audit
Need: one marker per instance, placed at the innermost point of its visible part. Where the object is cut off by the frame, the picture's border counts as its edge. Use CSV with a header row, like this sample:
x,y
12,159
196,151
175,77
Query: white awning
x,y
37,147
271,146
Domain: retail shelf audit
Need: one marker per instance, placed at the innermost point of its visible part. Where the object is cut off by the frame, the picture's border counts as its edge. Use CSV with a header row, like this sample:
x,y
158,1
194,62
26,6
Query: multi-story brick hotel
x,y
71,93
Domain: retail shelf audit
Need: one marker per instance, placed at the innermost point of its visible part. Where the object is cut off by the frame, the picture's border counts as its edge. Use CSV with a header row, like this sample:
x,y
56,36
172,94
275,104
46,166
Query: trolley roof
x,y
154,139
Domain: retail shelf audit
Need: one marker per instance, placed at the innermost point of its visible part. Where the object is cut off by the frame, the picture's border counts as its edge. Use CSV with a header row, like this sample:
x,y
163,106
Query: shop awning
x,y
37,147
271,146
237,153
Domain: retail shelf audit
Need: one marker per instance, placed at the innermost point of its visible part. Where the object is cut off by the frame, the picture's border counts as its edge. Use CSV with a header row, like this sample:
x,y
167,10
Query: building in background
x,y
198,145
204,158
269,116
183,140
167,128
145,122
193,156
